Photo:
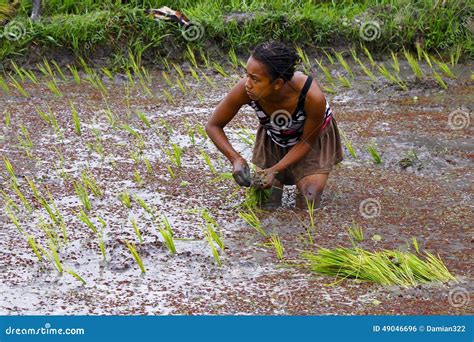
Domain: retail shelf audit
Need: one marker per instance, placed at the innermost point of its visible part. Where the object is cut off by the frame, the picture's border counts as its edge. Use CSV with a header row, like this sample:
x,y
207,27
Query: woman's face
x,y
258,83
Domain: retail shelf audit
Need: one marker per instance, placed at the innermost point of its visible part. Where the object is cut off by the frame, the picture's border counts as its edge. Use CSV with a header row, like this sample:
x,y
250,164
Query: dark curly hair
x,y
279,58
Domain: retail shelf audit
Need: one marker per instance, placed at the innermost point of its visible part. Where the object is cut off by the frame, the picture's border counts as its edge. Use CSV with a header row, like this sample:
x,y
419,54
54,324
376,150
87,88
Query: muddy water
x,y
423,188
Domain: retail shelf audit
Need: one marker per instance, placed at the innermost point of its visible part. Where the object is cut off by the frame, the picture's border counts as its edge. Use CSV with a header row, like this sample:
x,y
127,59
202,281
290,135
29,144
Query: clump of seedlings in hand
x,y
133,250
167,234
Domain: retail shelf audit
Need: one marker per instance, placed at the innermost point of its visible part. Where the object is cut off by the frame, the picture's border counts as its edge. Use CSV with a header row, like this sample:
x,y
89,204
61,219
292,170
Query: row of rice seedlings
x,y
356,234
390,77
133,250
18,86
9,168
384,267
82,194
167,233
136,229
415,67
344,64
74,73
371,148
253,221
75,119
277,246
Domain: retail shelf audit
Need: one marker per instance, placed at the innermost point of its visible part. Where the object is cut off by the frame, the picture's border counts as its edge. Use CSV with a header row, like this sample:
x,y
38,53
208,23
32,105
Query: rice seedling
x,y
444,68
385,267
22,197
169,97
350,148
13,219
189,54
108,73
170,171
136,229
75,275
205,58
18,87
18,71
391,78
181,86
415,244
124,198
143,118
277,245
34,246
25,140
194,74
100,237
74,73
167,79
329,56
75,119
202,132
217,67
109,115
10,170
373,152
137,177
133,250
178,70
395,63
366,70
415,67
91,183
326,72
344,64
4,85
222,177
174,155
55,257
369,55
439,79
233,58
455,54
252,220
59,70
148,165
51,234
356,234
53,87
7,116
141,202
214,251
345,82
82,194
208,161
208,80
246,136
167,234
130,130
84,218
31,76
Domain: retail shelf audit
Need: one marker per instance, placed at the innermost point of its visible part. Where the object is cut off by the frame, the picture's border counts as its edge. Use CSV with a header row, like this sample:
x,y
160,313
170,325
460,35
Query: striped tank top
x,y
285,129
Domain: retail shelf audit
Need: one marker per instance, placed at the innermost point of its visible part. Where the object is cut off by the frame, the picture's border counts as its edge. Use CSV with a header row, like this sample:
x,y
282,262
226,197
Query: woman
x,y
297,141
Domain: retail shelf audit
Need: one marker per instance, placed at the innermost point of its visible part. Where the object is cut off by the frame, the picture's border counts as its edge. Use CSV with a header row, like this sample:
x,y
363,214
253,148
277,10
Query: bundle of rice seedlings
x,y
384,267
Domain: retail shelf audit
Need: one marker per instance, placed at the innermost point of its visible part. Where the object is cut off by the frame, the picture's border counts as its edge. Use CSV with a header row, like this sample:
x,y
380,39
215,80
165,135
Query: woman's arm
x,y
222,115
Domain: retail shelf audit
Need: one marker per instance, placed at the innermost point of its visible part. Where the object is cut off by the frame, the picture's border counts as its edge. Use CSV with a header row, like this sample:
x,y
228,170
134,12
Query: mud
x,y
428,197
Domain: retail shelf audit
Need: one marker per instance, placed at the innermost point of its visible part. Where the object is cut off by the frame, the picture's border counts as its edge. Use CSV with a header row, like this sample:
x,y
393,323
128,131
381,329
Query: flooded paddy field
x,y
144,139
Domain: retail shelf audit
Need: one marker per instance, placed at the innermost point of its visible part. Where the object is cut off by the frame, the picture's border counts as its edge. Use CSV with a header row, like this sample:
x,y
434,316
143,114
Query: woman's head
x,y
269,67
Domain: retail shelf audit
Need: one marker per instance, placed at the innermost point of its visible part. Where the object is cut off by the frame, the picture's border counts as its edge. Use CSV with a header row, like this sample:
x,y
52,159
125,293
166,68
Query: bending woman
x,y
297,141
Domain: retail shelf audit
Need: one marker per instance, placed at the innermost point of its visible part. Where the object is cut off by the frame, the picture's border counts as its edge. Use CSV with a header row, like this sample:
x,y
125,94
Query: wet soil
x,y
423,188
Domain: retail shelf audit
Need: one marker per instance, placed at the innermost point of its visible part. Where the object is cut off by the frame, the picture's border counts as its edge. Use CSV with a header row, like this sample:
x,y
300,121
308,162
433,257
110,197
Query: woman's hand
x,y
267,177
241,172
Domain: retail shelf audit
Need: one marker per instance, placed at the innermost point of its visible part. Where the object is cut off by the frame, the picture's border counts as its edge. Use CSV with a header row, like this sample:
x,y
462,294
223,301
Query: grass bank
x,y
107,30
